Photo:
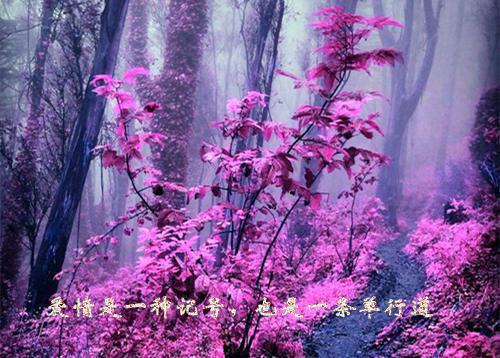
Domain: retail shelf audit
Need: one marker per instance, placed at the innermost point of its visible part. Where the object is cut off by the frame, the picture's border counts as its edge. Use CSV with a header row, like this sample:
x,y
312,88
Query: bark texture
x,y
405,96
175,89
19,212
57,233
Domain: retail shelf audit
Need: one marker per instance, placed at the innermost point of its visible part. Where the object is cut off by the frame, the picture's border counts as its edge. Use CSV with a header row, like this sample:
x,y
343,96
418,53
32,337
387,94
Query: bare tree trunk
x,y
491,30
57,232
261,53
18,215
255,46
229,62
449,94
175,89
138,22
264,21
404,98
271,65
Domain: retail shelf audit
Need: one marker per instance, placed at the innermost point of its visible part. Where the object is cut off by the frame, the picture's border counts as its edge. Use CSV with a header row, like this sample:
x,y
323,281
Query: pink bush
x,y
461,264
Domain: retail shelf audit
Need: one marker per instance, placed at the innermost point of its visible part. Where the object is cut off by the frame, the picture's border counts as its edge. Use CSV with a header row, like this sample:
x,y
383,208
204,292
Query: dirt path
x,y
353,336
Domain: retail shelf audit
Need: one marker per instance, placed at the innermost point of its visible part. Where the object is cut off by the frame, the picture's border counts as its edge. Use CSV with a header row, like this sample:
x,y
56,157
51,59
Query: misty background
x,y
433,145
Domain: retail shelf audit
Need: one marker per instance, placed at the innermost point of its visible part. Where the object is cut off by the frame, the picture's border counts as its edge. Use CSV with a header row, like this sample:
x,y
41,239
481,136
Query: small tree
x,y
254,265
270,191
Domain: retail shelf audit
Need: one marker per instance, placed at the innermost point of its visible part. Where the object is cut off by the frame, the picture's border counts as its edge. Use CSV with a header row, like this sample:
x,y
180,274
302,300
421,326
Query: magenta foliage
x,y
241,252
461,264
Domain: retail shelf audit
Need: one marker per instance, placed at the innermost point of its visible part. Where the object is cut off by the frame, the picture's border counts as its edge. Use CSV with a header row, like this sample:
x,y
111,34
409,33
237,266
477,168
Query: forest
x,y
249,178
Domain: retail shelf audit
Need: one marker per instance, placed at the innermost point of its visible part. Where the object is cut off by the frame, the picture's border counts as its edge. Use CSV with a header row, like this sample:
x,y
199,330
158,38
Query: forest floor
x,y
353,336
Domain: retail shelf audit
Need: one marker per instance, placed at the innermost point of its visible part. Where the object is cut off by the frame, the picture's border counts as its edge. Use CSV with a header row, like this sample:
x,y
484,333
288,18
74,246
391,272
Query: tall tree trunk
x,y
404,98
17,212
261,40
261,58
232,37
271,64
491,31
449,94
138,23
175,89
256,44
57,232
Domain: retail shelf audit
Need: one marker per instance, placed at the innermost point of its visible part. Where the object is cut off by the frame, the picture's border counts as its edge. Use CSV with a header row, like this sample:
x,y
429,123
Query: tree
x,y
172,265
260,32
67,198
405,96
489,19
448,90
174,89
300,228
19,214
138,18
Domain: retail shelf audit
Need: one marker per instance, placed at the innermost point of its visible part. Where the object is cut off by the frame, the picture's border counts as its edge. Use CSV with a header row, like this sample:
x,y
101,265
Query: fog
x,y
462,67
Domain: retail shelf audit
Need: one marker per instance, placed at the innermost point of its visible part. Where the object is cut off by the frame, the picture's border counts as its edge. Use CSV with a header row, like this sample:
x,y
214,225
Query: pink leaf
x,y
130,75
315,201
373,124
268,131
309,176
287,74
381,21
111,159
105,78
